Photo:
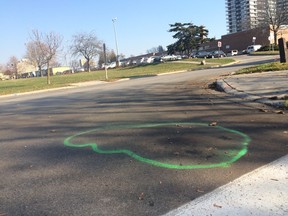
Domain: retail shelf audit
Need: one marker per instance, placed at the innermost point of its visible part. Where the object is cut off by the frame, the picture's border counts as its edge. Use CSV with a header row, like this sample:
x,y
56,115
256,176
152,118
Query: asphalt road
x,y
135,147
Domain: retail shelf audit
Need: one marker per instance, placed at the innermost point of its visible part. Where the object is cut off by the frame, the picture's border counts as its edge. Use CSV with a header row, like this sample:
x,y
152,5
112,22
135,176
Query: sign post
x,y
219,46
254,40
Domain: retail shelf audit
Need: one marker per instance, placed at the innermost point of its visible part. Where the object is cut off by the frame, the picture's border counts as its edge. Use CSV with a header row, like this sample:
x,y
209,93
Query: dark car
x,y
201,54
216,54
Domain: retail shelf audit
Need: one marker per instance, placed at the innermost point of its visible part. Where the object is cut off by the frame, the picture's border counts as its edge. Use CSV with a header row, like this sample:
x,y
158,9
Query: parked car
x,y
201,54
232,53
243,51
216,54
193,54
169,58
112,65
157,59
184,56
252,48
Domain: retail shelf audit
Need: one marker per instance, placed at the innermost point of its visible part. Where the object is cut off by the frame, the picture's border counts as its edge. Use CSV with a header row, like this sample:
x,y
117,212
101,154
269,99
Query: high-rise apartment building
x,y
247,14
282,4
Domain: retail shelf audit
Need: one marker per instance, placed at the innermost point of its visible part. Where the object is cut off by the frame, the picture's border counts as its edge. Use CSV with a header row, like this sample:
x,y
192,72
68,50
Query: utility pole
x,y
116,42
105,61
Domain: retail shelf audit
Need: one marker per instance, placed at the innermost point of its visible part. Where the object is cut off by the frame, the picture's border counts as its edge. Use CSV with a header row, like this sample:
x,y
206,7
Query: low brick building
x,y
241,40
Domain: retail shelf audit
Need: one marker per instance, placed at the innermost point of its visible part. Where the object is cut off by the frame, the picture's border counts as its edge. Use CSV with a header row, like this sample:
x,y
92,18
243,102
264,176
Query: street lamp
x,y
115,34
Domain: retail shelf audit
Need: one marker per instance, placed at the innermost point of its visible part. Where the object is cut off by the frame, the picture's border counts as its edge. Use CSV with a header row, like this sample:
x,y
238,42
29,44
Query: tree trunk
x,y
275,36
40,69
48,74
88,65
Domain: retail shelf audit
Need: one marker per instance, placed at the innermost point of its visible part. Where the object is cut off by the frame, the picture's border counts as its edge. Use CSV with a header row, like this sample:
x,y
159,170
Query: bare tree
x,y
111,55
12,66
4,69
87,45
276,17
74,64
48,45
101,59
35,55
158,49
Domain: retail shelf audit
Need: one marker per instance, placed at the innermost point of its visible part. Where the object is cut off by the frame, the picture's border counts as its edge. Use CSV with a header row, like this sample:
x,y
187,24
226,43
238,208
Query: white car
x,y
253,48
112,65
232,53
169,58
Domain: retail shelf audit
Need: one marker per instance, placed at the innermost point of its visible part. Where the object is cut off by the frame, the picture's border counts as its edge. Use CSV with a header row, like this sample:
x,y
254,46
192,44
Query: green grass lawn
x,y
265,53
275,66
40,83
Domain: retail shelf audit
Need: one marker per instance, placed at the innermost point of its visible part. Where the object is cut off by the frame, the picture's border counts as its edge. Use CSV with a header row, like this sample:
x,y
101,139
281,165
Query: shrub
x,y
268,48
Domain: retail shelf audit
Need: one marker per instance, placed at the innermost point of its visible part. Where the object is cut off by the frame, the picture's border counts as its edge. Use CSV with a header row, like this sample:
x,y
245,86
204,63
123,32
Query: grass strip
x,y
275,66
40,83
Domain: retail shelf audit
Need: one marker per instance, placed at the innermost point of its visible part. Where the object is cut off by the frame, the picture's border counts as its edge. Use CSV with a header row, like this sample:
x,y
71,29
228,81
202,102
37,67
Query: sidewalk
x,y
262,192
270,88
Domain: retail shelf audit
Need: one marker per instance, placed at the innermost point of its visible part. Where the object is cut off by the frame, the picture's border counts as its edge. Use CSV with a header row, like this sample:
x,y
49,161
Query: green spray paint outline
x,y
245,142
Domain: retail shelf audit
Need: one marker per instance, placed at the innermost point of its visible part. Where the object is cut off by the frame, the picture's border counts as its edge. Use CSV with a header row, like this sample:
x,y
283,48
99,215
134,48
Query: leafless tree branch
x,y
87,45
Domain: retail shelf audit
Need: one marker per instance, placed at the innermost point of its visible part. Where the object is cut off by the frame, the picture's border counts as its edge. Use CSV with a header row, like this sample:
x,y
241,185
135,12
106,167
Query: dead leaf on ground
x,y
141,196
279,112
217,206
200,191
213,124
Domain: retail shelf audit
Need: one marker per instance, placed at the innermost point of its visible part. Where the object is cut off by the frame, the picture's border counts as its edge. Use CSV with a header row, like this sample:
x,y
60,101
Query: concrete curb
x,y
224,86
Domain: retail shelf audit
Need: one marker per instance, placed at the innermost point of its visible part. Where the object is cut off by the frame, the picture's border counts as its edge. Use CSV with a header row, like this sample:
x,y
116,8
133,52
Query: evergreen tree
x,y
188,36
